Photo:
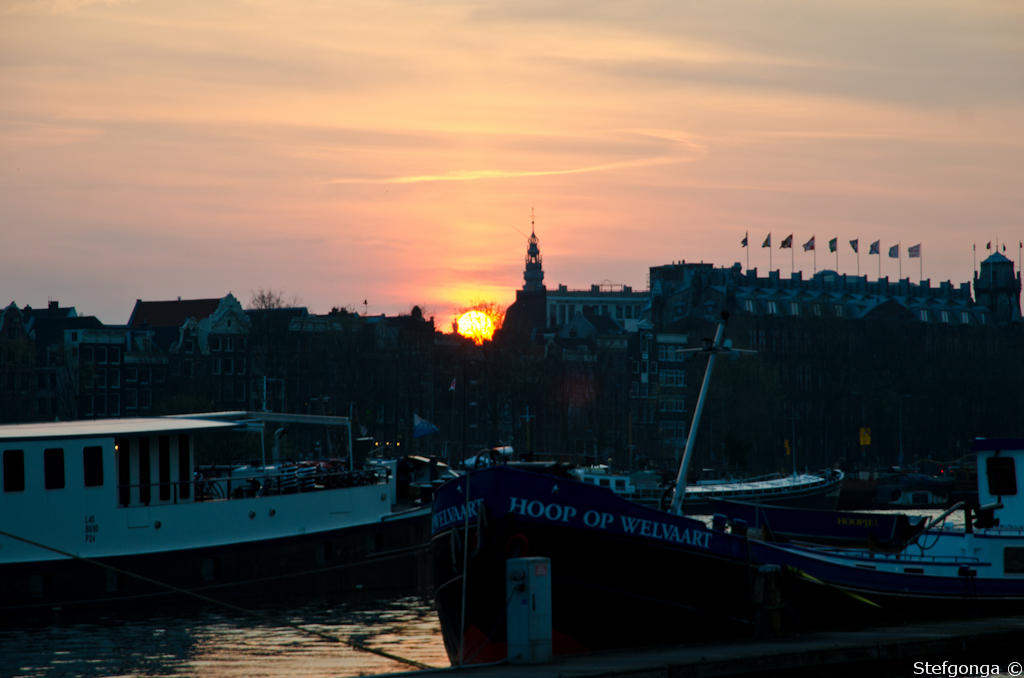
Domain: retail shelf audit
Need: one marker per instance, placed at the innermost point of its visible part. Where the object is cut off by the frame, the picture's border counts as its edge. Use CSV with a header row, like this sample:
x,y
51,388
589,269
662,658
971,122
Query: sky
x,y
392,152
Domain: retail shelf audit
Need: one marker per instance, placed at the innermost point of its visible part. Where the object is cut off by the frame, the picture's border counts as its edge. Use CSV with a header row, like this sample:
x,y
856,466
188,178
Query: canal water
x,y
212,642
219,643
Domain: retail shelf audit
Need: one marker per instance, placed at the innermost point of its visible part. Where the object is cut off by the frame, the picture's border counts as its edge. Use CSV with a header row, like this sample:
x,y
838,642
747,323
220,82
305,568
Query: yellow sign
x,y
865,436
787,447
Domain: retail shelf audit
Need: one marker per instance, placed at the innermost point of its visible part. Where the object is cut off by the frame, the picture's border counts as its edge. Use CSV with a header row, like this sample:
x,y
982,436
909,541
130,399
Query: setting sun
x,y
476,325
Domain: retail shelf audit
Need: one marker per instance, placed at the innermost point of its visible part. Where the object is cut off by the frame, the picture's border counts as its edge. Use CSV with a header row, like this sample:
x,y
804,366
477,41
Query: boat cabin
x,y
126,463
1000,461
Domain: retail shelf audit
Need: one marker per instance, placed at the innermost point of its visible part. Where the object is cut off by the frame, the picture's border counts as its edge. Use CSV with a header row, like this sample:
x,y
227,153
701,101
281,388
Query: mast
x,y
712,348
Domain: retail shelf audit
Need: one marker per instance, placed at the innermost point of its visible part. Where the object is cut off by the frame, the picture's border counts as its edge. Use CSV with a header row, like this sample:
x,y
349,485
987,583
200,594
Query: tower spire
x,y
533,276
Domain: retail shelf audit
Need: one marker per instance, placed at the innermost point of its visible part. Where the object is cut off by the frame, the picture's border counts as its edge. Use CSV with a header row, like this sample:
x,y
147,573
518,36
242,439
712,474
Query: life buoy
x,y
520,541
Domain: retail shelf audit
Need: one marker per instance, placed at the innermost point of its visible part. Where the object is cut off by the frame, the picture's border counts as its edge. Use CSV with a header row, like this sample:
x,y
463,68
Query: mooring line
x,y
236,608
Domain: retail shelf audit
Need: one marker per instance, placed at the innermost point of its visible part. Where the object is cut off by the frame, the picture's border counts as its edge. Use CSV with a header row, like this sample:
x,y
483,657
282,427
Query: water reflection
x,y
211,642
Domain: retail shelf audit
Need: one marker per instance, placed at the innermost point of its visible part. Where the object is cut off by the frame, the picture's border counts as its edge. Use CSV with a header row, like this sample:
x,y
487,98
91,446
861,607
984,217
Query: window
x,y
240,391
240,366
131,399
99,379
924,315
1002,477
184,467
817,310
636,366
654,368
92,463
88,355
228,366
189,346
53,468
131,374
14,471
214,343
215,366
229,344
618,311
794,308
114,404
145,476
772,307
115,355
101,354
672,378
115,377
965,317
145,398
840,311
163,467
945,316
749,306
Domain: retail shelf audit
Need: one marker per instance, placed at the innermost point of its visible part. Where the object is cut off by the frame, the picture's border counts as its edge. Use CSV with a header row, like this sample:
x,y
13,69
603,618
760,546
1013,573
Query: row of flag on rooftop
x,y
913,252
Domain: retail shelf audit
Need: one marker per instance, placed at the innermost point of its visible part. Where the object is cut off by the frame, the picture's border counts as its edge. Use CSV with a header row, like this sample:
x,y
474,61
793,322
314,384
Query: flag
x,y
914,252
833,244
894,252
809,245
787,243
767,241
452,387
989,245
853,244
744,243
1004,248
876,248
421,427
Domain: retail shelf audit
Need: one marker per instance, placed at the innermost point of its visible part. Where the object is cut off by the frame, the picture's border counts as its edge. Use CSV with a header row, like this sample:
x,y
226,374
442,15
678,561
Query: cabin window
x,y
163,467
1013,560
145,477
14,471
53,468
184,467
604,482
124,471
92,463
1002,477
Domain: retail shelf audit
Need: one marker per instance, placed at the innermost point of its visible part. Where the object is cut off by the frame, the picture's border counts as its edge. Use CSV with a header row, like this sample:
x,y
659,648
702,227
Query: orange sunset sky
x,y
392,151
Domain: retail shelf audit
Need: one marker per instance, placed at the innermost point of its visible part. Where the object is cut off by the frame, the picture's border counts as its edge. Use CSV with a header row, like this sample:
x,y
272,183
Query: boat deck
x,y
880,652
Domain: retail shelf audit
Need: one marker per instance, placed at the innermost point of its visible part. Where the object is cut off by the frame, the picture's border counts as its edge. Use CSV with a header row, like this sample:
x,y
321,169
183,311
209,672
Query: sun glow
x,y
476,325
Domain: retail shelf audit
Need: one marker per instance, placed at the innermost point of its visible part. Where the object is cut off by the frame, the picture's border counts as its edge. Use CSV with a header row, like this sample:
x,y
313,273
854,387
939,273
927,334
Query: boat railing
x,y
260,483
875,556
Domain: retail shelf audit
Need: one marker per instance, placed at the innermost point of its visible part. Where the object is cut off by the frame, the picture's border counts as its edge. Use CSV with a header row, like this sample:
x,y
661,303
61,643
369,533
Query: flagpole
x,y
858,257
815,250
746,239
837,256
899,256
792,258
879,261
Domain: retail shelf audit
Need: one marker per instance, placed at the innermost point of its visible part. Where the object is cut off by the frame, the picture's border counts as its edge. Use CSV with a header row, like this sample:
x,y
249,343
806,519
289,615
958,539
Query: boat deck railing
x,y
258,483
875,556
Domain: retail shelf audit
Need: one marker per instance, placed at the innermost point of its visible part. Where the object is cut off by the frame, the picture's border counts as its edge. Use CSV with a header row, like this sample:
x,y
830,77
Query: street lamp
x,y
900,460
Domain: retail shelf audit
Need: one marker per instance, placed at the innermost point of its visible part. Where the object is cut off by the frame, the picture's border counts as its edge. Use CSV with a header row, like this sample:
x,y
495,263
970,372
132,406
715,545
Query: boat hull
x,y
601,573
383,557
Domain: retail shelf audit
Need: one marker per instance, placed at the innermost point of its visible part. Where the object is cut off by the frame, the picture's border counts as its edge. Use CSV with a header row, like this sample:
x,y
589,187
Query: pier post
x,y
768,604
528,591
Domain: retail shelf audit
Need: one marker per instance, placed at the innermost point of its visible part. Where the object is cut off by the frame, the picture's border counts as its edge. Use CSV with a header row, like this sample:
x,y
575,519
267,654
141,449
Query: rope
x,y
214,601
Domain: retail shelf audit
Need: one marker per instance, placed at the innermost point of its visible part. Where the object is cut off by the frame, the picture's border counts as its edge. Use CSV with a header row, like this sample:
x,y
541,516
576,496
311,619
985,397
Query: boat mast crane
x,y
712,348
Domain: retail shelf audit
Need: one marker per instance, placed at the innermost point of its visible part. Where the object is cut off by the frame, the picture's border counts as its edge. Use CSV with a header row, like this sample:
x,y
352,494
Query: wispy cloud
x,y
470,175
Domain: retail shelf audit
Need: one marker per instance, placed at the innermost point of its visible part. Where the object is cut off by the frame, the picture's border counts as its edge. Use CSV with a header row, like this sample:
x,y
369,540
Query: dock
x,y
875,652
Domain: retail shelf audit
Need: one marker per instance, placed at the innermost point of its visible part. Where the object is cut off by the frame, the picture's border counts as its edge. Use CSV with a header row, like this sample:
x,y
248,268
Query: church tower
x,y
997,287
524,320
533,277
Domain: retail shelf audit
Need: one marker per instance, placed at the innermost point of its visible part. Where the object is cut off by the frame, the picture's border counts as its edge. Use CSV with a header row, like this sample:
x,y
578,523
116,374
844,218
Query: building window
x,y
965,317
131,399
14,471
100,379
214,343
817,310
101,355
1002,476
131,374
840,312
749,305
92,464
146,398
924,315
618,311
88,354
53,468
772,308
240,366
945,316
229,344
636,366
672,378
115,377
114,404
794,308
654,367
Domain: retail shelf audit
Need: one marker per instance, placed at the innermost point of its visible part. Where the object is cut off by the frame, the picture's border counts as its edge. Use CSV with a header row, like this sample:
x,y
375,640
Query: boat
x,y
799,490
944,571
876,531
611,558
113,512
